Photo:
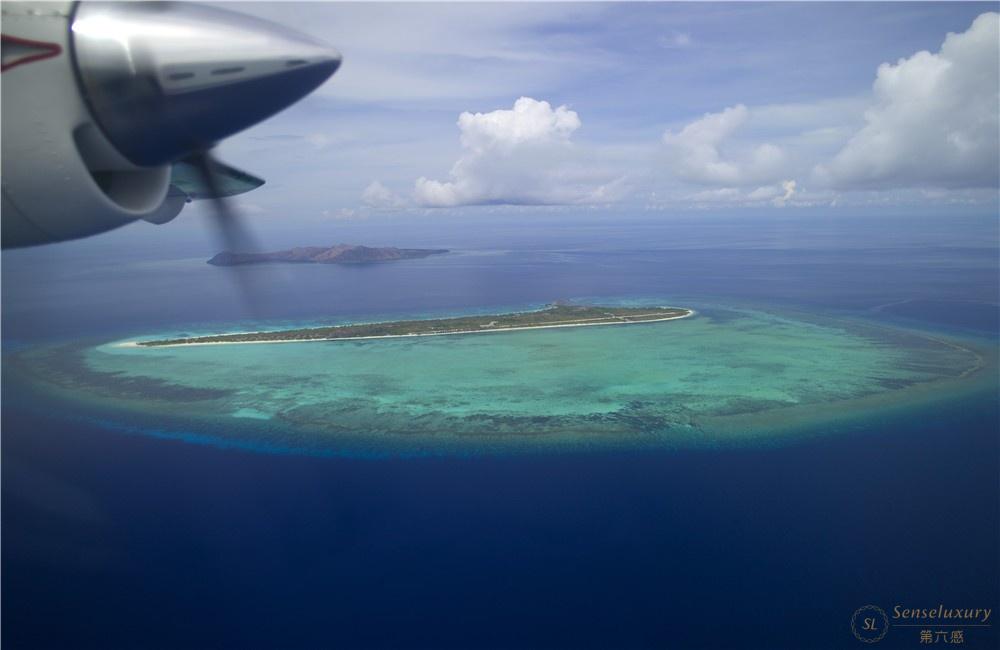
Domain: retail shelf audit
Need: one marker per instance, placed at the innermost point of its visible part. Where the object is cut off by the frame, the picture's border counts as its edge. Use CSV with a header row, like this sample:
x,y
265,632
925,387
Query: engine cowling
x,y
101,98
61,177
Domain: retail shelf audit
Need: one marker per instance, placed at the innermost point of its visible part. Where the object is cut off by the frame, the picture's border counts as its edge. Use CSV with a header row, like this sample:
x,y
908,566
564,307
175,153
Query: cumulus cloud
x,y
377,195
520,156
933,121
699,152
529,122
789,188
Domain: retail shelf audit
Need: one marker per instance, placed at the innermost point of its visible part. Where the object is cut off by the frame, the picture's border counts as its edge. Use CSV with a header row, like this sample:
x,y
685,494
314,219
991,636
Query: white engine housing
x,y
61,177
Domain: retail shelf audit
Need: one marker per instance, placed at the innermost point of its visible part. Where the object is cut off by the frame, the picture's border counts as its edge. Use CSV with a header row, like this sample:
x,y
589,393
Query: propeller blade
x,y
232,233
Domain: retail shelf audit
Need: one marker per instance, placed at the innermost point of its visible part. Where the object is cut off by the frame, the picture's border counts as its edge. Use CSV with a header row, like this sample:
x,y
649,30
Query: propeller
x,y
166,81
232,233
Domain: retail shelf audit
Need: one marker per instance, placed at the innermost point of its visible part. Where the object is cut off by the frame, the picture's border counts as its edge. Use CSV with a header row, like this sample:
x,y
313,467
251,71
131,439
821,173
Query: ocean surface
x,y
821,436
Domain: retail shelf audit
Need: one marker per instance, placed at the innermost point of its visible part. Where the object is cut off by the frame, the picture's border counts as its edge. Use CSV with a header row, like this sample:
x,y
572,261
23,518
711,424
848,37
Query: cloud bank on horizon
x,y
600,108
932,122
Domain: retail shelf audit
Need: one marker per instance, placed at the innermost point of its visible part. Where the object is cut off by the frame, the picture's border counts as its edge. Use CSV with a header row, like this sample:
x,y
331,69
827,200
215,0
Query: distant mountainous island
x,y
339,254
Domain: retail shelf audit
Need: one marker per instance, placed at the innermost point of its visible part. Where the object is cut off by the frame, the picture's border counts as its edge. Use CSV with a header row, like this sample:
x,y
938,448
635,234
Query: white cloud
x,y
933,121
789,188
377,195
777,194
519,156
529,122
699,152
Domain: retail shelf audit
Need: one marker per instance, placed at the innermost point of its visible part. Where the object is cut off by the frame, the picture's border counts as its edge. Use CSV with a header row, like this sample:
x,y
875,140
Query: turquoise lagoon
x,y
726,376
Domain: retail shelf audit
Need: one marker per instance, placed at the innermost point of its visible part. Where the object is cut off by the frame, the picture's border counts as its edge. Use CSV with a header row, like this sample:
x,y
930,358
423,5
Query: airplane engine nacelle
x,y
102,100
61,177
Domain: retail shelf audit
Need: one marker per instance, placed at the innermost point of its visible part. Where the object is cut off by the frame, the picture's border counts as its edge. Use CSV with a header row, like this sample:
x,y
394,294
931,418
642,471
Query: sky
x,y
524,108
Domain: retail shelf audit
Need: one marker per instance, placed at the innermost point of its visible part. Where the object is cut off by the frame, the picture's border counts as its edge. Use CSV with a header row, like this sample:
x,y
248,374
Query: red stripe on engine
x,y
48,50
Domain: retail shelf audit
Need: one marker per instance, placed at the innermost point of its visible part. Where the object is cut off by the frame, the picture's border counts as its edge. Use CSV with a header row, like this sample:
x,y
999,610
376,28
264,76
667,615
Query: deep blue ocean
x,y
121,540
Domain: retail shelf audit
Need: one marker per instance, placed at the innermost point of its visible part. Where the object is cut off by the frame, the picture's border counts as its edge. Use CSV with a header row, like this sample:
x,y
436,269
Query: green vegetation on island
x,y
556,315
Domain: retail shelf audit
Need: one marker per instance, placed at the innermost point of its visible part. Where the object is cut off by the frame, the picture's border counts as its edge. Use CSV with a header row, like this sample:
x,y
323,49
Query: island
x,y
554,315
339,254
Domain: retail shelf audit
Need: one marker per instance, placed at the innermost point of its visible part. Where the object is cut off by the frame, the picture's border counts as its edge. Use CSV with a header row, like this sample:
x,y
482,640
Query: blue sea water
x,y
118,540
